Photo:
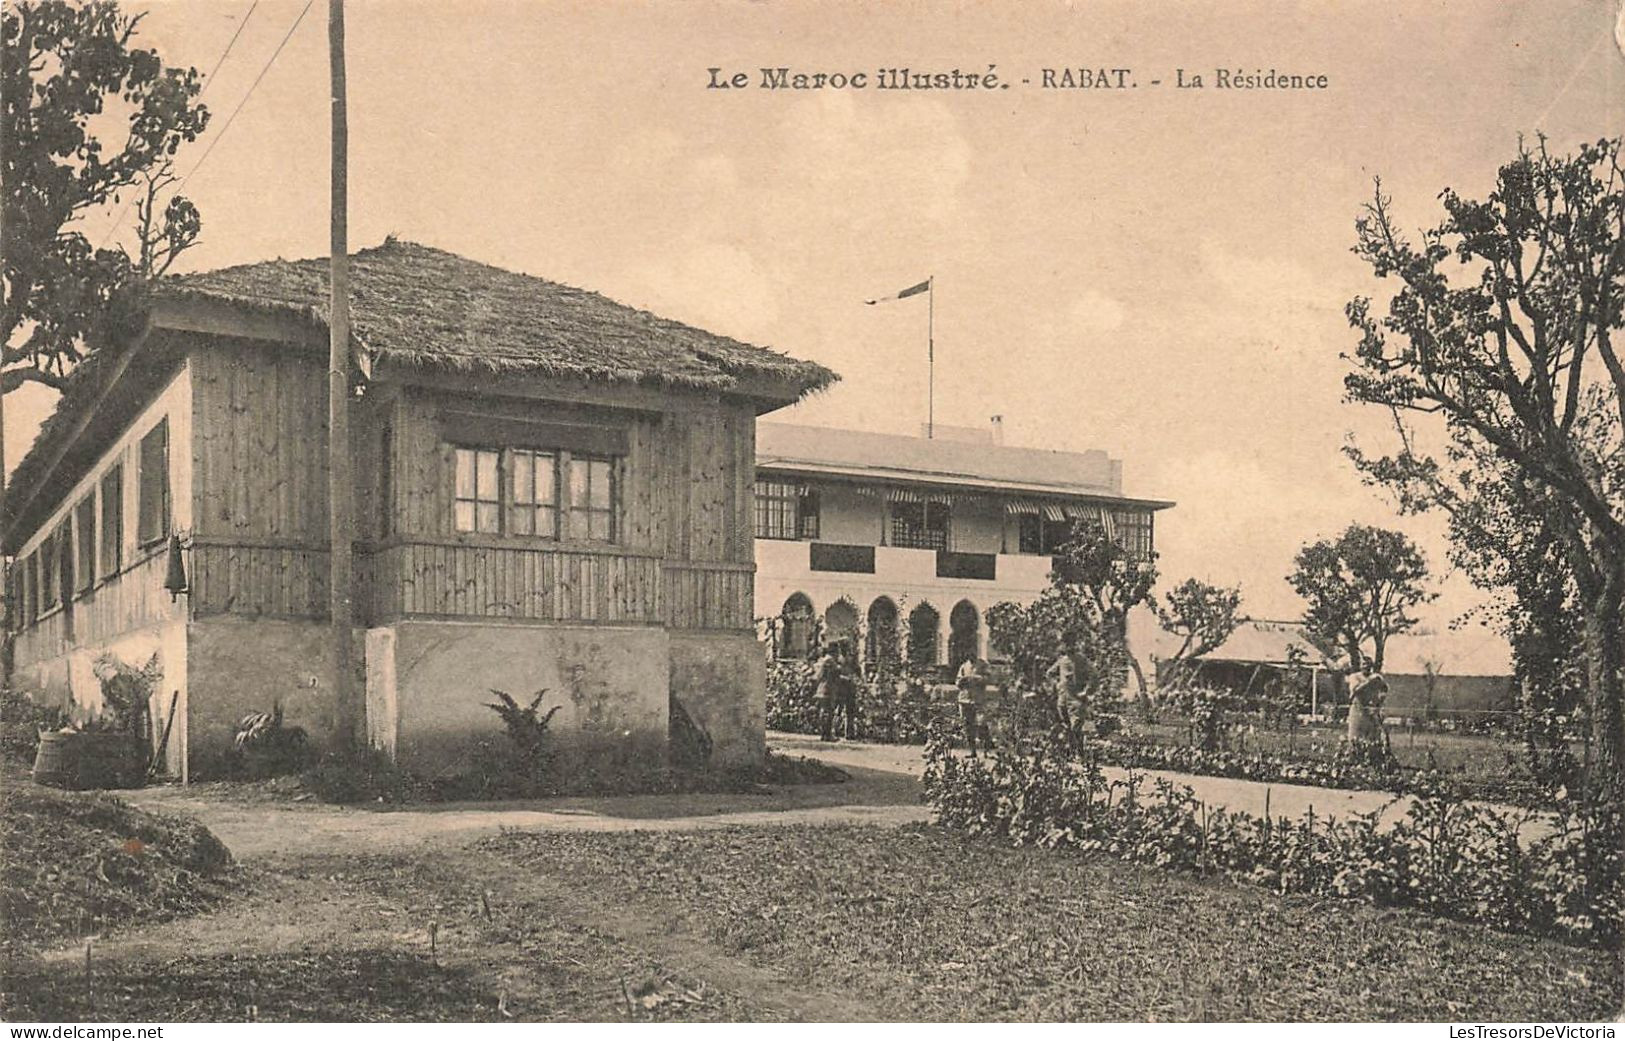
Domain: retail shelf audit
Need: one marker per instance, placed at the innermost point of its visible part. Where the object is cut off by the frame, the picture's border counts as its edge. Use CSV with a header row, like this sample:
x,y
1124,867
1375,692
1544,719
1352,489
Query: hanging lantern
x,y
175,573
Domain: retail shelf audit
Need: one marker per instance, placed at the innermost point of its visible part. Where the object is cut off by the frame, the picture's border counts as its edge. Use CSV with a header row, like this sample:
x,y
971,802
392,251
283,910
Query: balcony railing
x,y
835,556
967,565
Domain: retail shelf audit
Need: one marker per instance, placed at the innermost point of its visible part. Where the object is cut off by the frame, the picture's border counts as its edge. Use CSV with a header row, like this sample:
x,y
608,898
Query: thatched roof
x,y
422,306
416,306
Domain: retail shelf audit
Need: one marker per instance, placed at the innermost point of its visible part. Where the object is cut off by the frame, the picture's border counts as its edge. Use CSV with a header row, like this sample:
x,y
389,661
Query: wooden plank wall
x,y
259,503
260,442
277,580
260,486
684,488
442,579
708,596
685,498
132,601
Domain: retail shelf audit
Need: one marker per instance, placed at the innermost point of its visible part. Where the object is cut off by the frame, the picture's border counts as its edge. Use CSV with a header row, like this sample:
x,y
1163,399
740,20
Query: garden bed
x,y
1335,772
374,778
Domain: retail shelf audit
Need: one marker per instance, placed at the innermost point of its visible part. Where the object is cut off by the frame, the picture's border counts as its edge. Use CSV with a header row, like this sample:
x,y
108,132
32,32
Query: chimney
x,y
997,423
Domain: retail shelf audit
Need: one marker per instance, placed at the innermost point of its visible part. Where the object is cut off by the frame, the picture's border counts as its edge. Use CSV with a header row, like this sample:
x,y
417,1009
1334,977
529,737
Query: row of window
x,y
89,542
1038,534
551,494
786,510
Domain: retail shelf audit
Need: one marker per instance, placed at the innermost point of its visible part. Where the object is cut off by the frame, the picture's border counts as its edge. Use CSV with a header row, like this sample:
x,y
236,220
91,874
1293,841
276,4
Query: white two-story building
x,y
909,540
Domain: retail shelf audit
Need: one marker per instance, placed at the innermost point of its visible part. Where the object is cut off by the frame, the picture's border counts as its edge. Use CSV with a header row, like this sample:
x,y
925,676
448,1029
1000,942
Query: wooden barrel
x,y
56,764
78,760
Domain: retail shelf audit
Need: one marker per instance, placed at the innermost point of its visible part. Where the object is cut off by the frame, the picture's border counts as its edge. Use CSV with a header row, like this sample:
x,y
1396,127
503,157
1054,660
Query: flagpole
x,y
930,356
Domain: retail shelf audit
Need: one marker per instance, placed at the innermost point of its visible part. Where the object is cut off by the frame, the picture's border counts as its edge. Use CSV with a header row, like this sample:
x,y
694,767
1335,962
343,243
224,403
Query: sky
x,y
1157,272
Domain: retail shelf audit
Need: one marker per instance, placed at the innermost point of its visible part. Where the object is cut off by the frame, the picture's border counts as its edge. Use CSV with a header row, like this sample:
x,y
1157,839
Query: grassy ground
x,y
788,923
925,925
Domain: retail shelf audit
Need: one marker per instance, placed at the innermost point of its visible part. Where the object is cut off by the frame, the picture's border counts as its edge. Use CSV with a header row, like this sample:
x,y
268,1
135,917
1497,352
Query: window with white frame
x,y
538,492
478,500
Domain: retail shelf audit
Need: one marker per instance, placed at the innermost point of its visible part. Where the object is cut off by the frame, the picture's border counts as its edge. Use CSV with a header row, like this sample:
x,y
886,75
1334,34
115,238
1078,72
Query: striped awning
x,y
1100,515
1053,512
1027,506
903,495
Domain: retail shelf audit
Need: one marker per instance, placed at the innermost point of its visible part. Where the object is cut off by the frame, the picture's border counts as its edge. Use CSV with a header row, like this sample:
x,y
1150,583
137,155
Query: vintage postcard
x,y
813,510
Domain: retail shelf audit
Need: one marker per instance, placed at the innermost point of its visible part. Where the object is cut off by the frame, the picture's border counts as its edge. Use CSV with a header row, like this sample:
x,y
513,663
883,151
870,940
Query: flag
x,y
910,291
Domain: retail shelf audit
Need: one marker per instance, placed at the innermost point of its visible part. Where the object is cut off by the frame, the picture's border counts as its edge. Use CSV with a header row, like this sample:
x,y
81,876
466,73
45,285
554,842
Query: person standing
x,y
972,683
826,686
851,677
1062,680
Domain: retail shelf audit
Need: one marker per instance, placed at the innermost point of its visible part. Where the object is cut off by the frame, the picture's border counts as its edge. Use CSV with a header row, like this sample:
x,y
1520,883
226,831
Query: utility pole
x,y
340,487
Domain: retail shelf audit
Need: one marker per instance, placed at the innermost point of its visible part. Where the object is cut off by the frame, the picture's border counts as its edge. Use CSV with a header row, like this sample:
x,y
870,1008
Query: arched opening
x,y
922,635
796,627
841,621
964,626
880,642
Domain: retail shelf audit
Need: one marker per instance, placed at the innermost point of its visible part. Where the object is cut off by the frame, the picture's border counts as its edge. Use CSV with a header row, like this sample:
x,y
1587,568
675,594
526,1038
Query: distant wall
x,y
978,527
1468,697
69,679
846,515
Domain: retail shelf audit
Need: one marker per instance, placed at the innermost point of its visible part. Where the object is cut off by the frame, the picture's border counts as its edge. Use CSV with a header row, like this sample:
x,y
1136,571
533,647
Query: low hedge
x,y
1343,771
1445,857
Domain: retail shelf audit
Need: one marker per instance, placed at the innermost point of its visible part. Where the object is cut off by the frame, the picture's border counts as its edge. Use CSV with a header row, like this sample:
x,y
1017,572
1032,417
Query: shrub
x,y
790,706
21,720
126,694
365,776
265,747
1444,857
526,764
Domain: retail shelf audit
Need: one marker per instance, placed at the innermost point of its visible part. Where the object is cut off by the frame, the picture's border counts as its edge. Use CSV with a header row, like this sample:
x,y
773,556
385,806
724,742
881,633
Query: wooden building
x,y
552,491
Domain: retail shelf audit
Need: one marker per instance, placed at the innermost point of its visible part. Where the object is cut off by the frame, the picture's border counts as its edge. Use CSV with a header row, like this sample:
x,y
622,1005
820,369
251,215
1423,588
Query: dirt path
x,y
263,827
530,945
360,885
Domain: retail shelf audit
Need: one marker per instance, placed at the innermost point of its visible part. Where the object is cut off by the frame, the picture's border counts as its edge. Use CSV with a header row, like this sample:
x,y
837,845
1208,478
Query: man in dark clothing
x,y
848,691
826,689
